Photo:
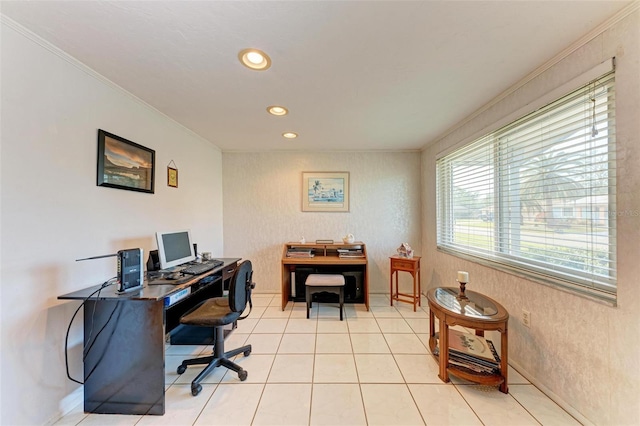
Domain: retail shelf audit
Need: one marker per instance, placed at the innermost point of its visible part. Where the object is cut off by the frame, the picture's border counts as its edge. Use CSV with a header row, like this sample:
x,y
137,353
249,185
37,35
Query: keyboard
x,y
201,268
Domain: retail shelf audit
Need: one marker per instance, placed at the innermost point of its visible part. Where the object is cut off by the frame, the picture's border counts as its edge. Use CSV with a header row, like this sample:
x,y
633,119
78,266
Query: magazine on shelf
x,y
468,360
471,363
473,367
299,252
471,358
470,344
350,253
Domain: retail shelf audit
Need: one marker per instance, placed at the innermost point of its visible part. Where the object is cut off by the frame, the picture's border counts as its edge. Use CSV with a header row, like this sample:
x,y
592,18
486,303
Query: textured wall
x,y
262,207
585,352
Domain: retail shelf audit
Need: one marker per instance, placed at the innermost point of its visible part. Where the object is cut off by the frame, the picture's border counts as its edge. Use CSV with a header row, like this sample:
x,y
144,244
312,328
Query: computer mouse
x,y
173,276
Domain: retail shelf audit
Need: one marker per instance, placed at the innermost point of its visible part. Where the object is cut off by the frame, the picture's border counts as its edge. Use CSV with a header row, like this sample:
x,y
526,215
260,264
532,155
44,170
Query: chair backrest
x,y
240,287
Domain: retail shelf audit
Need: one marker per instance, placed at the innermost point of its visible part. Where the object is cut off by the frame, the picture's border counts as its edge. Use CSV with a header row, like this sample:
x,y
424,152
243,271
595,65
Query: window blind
x,y
538,195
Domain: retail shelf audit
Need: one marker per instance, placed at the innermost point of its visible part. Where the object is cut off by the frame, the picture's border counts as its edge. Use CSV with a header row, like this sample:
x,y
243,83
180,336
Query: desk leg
x,y
444,350
286,284
124,367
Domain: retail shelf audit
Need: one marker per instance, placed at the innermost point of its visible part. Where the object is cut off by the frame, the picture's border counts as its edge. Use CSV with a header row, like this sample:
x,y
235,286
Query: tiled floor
x,y
373,368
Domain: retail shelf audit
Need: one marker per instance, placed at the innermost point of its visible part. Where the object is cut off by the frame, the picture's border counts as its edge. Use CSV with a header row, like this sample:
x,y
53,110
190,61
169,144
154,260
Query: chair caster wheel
x,y
181,369
195,390
247,353
242,375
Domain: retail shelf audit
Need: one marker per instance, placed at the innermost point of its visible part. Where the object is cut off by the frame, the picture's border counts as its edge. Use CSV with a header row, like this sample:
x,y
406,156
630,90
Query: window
x,y
537,197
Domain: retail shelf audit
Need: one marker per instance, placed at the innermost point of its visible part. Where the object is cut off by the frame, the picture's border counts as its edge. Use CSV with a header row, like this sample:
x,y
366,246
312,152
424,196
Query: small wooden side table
x,y
412,266
477,312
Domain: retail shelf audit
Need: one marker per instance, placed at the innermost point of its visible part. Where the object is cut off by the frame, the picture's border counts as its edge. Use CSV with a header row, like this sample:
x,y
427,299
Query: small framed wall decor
x,y
325,191
124,164
172,175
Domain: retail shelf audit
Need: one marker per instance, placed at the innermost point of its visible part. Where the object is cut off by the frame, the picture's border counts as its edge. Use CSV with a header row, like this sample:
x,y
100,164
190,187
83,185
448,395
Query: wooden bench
x,y
318,283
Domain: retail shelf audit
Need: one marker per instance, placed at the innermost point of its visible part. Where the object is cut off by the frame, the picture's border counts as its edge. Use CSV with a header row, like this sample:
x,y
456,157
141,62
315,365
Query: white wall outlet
x,y
526,318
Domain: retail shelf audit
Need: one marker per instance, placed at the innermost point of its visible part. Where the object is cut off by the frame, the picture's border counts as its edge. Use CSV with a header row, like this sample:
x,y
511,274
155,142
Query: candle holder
x,y
463,305
461,294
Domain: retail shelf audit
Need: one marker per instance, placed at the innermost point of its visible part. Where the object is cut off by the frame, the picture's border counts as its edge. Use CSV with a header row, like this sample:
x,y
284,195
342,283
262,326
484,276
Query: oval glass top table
x,y
472,310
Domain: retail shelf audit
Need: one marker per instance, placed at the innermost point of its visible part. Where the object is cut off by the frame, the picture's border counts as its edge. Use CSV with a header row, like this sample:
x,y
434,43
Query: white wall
x,y
263,207
53,212
585,352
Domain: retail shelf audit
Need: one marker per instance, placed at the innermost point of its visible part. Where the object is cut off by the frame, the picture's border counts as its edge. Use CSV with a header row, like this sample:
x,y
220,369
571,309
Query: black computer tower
x,y
300,276
353,285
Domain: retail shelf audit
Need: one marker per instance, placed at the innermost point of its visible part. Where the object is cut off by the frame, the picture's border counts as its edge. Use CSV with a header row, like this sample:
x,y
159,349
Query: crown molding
x,y
609,23
30,35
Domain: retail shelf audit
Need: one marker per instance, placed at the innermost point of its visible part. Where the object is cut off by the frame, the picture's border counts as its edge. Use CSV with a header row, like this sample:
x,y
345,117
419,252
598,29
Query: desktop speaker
x,y
130,270
153,263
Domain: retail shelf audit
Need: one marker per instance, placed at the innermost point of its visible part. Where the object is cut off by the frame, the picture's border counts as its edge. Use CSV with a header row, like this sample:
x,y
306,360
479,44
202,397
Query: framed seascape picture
x,y
325,191
124,164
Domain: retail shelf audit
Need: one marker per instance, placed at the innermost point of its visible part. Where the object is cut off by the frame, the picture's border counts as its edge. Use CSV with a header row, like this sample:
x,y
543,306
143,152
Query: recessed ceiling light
x,y
254,59
290,135
277,110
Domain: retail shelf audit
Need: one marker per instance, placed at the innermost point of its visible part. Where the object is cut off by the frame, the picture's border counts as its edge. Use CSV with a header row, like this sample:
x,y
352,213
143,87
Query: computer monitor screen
x,y
174,248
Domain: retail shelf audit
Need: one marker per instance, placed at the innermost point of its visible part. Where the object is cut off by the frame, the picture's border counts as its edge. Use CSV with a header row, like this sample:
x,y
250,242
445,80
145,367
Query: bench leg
x,y
309,297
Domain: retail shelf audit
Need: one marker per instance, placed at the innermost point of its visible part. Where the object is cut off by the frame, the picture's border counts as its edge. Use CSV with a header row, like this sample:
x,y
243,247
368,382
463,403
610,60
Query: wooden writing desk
x,y
124,337
327,260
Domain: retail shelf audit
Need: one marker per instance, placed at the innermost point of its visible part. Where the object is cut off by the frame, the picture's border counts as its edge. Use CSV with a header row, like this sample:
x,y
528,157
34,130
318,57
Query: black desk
x,y
124,338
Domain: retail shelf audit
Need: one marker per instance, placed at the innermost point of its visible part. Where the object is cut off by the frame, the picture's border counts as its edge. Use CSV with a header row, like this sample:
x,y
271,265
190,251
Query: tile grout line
x,y
468,404
264,386
289,317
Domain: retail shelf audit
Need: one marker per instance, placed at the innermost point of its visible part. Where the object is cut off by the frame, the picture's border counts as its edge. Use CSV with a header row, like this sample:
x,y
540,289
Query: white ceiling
x,y
355,75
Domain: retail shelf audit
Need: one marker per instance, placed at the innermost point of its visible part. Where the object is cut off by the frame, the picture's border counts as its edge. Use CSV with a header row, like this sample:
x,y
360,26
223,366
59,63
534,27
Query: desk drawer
x,y
228,271
403,265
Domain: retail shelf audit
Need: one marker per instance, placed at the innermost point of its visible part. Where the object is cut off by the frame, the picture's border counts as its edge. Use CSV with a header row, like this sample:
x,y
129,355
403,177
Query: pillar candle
x,y
463,277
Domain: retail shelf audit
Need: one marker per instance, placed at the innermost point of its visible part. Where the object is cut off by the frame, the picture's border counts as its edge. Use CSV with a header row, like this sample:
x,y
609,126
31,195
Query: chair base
x,y
218,359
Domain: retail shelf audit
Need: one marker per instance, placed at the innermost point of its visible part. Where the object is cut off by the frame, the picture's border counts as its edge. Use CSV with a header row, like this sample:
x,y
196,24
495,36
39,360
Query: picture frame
x,y
325,192
172,177
124,164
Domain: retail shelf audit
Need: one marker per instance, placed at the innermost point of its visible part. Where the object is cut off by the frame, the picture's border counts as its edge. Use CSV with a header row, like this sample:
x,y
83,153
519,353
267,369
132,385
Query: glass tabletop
x,y
476,305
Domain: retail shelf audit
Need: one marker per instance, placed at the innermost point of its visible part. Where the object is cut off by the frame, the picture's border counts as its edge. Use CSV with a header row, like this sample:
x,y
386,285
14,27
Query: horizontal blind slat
x,y
539,193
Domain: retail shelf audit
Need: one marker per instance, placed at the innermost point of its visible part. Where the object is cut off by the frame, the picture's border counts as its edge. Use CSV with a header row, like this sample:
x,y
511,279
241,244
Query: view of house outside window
x,y
538,195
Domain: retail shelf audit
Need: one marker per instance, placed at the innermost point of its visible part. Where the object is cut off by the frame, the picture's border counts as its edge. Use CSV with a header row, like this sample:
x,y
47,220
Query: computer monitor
x,y
174,248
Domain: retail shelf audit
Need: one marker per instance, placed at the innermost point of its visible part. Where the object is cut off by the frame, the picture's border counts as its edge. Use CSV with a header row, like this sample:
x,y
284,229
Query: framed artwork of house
x,y
325,191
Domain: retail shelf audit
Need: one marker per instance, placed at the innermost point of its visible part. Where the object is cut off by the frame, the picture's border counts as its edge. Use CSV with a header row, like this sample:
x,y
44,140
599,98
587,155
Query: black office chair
x,y
218,312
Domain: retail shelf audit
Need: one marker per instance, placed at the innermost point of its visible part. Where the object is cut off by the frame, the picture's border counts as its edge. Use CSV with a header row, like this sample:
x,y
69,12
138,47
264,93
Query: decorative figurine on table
x,y
348,239
405,250
463,279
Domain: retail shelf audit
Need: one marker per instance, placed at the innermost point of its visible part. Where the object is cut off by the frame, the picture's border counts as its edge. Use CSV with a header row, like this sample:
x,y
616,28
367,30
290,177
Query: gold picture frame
x,y
325,192
172,177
